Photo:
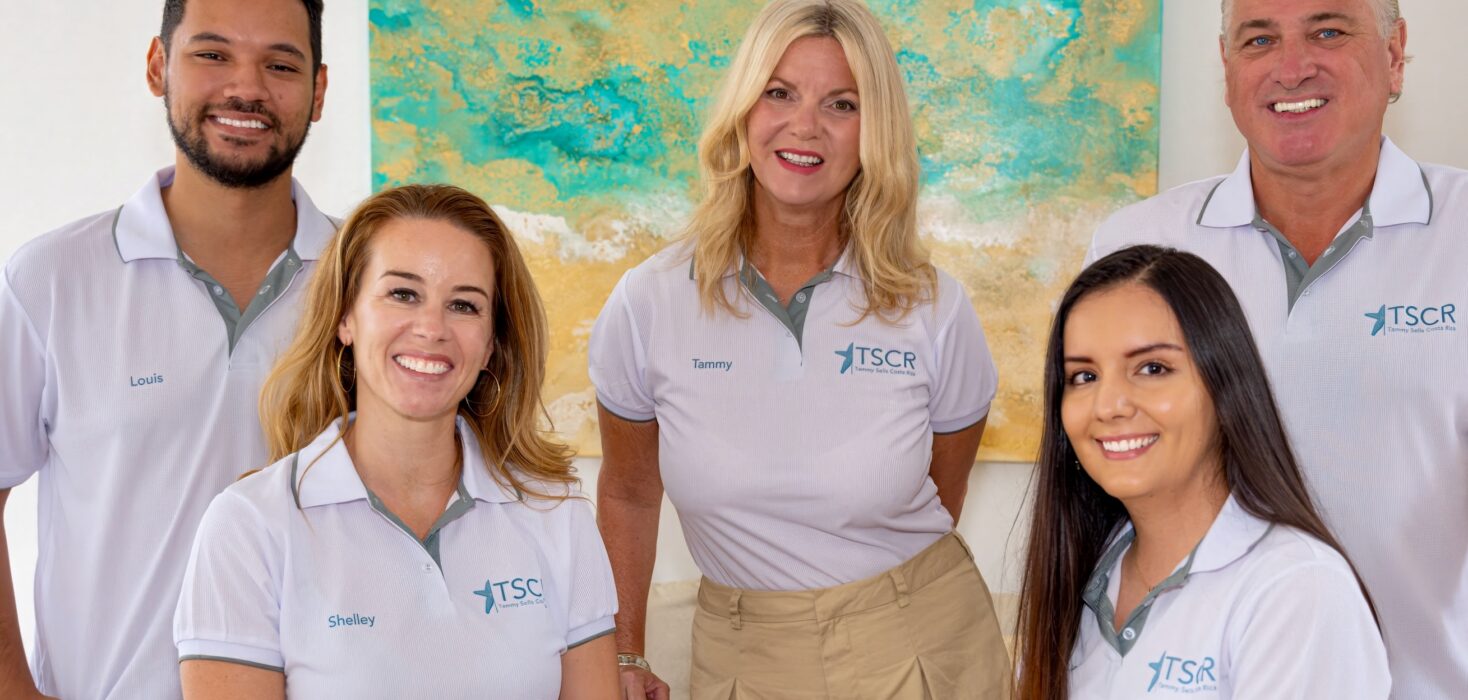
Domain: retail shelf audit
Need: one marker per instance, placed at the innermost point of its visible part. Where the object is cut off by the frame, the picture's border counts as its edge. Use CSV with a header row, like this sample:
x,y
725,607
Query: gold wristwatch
x,y
634,660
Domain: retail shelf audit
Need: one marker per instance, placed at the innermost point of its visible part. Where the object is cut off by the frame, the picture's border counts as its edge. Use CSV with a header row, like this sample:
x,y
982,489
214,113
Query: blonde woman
x,y
809,390
418,535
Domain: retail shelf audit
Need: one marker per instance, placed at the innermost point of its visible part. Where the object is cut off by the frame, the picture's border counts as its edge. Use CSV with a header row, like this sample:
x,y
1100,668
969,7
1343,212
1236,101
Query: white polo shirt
x,y
794,442
132,389
346,601
1256,611
1368,367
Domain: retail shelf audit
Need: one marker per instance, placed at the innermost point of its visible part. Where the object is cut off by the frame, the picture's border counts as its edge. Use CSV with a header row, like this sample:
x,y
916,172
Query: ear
x,y
1223,58
157,65
320,94
344,331
1396,46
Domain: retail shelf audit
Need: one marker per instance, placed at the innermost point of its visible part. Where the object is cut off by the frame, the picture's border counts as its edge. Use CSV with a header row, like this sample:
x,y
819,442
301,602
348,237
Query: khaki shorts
x,y
923,630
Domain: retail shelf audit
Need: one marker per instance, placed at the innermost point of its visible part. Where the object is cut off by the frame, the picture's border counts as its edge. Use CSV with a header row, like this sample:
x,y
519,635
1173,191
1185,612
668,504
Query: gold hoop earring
x,y
350,374
474,408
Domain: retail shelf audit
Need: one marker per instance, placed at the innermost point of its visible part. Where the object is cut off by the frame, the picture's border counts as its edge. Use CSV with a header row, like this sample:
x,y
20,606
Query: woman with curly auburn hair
x,y
420,535
809,390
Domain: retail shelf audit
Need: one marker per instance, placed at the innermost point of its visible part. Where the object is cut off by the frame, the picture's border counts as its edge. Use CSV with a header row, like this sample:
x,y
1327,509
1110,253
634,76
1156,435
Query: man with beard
x,y
137,340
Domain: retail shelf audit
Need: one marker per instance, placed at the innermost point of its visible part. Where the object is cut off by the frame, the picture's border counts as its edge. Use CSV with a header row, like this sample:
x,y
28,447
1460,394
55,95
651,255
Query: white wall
x,y
1198,135
81,133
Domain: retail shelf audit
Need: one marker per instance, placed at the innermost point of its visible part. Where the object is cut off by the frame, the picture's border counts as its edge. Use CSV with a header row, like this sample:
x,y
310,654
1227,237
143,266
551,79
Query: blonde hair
x,y
880,214
313,382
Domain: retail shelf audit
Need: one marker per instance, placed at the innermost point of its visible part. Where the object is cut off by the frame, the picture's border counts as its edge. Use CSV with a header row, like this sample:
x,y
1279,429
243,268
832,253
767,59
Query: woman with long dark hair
x,y
1174,547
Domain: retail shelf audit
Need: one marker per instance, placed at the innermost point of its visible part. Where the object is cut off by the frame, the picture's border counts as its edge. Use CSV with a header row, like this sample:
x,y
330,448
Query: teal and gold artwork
x,y
580,120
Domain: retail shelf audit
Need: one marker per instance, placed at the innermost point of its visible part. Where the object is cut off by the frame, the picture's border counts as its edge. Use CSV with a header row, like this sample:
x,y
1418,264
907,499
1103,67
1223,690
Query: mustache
x,y
235,104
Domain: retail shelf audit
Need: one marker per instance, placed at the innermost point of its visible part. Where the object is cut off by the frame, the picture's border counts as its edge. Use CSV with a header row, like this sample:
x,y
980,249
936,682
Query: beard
x,y
191,141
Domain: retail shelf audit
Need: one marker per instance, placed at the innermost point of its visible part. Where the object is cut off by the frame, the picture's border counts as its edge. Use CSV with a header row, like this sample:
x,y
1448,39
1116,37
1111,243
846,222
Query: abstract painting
x,y
579,121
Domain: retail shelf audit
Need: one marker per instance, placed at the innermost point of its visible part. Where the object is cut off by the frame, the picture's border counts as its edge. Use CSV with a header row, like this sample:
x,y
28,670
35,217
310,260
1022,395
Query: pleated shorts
x,y
923,630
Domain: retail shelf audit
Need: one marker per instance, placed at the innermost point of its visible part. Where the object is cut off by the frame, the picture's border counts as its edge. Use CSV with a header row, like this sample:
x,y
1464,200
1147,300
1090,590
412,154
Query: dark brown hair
x,y
173,12
1073,517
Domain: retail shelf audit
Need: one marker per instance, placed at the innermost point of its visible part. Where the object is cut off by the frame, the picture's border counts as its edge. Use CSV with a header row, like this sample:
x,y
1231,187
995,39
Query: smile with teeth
x,y
807,161
420,365
1298,107
1127,445
242,123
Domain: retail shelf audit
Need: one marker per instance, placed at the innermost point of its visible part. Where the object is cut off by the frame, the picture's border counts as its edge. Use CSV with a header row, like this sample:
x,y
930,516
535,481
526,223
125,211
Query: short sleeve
x,y
23,373
1093,253
229,608
965,380
1116,232
618,362
1311,635
591,597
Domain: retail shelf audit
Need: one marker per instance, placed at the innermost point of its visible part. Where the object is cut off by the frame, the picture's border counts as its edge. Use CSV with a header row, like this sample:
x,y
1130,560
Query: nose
x,y
1113,399
1295,64
247,83
805,121
428,323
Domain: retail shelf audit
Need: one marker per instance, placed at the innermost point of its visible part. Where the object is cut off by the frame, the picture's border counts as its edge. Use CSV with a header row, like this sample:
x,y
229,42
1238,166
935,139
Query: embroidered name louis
x,y
144,381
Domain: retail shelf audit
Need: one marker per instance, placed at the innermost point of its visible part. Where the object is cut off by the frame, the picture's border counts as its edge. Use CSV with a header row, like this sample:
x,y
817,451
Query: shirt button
x,y
1292,254
1307,292
264,290
1330,250
1129,634
218,290
427,568
800,297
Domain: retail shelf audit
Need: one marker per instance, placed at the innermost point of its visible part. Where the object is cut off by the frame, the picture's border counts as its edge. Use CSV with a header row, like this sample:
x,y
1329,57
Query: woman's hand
x,y
641,684
629,502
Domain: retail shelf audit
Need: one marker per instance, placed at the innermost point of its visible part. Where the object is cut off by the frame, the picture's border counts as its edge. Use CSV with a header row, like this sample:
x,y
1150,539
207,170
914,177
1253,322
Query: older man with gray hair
x,y
1350,260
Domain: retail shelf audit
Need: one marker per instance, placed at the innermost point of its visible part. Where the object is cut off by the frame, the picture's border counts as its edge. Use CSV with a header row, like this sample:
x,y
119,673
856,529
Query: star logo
x,y
1156,667
845,356
1380,318
488,594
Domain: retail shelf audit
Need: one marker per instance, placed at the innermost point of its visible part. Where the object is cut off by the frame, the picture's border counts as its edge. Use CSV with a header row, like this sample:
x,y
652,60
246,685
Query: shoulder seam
x,y
946,324
25,313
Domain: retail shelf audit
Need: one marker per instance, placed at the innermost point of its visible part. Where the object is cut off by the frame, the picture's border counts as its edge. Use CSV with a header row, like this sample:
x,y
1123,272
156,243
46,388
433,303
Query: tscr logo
x,y
511,593
1413,319
1182,674
859,359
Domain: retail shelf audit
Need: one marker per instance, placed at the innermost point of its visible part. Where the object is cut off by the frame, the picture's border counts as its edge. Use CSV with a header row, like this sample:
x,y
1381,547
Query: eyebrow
x,y
419,279
472,289
837,91
1131,353
1312,19
1330,16
220,39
